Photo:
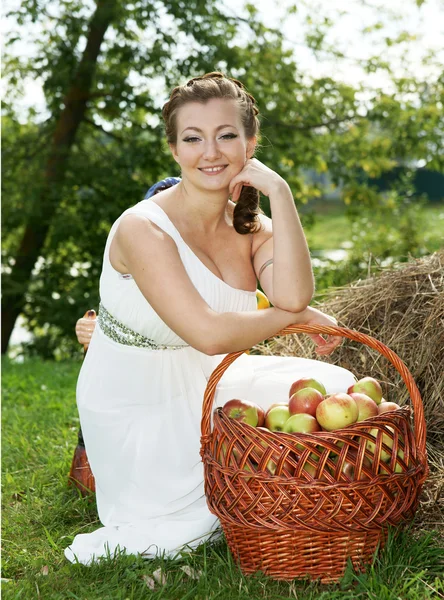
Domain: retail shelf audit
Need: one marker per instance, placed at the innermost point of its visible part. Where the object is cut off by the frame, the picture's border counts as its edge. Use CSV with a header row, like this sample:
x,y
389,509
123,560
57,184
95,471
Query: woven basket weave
x,y
284,502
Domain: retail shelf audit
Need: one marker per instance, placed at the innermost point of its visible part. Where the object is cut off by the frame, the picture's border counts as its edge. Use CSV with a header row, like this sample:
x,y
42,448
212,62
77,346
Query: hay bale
x,y
404,308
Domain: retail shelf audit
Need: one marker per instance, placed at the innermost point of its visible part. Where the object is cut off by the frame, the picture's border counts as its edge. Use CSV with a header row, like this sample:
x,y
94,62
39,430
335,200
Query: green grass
x,y
331,227
41,515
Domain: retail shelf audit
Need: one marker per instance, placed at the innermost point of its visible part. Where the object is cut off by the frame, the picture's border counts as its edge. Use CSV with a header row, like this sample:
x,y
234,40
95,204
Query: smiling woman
x,y
178,290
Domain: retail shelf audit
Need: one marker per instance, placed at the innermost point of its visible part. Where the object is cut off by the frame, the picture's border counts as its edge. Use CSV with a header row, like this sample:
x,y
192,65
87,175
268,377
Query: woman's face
x,y
211,146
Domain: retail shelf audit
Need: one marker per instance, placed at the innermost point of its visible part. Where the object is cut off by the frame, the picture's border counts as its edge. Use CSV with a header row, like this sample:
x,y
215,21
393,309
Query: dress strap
x,y
122,334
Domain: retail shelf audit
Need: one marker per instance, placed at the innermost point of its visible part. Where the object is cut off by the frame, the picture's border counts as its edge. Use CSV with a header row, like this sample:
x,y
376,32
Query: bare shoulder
x,y
136,229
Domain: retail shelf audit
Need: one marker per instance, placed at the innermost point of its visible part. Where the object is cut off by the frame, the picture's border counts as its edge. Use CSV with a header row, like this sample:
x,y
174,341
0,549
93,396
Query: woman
x,y
178,290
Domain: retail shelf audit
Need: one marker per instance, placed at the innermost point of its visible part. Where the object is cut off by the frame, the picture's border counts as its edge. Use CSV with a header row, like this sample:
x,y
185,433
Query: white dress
x,y
140,410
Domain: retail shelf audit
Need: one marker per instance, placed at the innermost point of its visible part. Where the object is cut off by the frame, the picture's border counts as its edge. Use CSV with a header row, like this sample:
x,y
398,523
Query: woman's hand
x,y
255,174
85,328
324,345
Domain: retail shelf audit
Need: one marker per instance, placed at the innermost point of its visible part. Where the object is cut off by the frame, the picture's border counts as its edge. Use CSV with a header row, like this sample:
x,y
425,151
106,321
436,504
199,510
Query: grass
x,y
41,515
331,227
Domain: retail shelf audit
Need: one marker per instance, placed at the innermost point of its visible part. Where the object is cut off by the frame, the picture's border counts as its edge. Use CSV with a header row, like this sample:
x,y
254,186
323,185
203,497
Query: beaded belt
x,y
122,334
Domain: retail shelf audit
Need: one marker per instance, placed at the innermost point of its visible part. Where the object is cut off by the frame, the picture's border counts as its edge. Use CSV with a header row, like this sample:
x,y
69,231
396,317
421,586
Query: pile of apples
x,y
310,409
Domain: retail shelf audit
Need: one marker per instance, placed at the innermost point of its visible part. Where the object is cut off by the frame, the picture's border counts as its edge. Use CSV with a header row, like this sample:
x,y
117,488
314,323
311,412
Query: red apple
x,y
305,401
337,411
306,382
242,410
349,466
276,417
366,406
369,387
301,423
260,416
387,407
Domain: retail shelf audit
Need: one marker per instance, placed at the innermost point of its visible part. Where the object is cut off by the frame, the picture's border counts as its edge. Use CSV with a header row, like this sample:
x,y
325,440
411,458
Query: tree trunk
x,y
17,282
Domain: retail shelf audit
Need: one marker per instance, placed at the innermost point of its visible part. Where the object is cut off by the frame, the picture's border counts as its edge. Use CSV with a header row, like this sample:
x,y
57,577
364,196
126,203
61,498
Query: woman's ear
x,y
251,147
174,152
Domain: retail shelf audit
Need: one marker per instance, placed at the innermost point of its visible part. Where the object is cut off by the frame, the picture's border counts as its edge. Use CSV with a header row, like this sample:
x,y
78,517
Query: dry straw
x,y
403,308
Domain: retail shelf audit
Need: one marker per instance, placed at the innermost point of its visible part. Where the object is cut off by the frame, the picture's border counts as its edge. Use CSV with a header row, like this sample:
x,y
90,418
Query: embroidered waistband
x,y
122,334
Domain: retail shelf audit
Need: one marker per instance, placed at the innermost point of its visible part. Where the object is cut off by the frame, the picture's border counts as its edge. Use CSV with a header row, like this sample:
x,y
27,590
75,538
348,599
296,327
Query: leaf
x,y
44,570
192,573
149,581
159,576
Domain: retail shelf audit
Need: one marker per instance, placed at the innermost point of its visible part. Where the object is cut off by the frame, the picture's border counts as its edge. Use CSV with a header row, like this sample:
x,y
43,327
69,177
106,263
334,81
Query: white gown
x,y
140,411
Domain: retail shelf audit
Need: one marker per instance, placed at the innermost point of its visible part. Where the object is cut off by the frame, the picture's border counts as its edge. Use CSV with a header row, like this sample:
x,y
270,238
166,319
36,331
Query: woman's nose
x,y
211,150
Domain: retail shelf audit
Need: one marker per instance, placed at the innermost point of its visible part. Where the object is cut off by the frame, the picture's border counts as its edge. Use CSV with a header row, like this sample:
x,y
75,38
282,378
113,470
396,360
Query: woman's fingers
x,y
325,346
84,329
236,192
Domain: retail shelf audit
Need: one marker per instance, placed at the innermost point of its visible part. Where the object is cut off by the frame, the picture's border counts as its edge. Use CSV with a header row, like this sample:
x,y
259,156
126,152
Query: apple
x,y
305,401
258,453
366,406
276,417
306,382
301,423
235,458
398,468
274,405
242,410
349,466
369,387
312,469
388,441
337,411
387,407
260,416
234,455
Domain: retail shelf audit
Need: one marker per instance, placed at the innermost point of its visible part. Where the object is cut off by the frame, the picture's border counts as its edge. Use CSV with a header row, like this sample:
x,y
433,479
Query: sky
x,y
426,22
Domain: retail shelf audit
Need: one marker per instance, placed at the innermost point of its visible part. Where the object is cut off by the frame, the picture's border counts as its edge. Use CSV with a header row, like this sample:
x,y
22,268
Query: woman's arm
x,y
152,258
281,258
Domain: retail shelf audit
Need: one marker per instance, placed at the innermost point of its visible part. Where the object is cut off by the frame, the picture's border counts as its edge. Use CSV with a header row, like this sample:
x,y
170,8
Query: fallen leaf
x,y
44,570
191,572
159,576
149,581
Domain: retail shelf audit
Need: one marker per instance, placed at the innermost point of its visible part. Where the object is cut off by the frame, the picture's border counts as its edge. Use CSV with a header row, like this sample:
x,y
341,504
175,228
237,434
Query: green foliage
x,y
41,515
320,125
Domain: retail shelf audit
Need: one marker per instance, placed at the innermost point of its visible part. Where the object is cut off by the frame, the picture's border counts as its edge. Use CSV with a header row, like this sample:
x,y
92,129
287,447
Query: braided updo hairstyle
x,y
205,88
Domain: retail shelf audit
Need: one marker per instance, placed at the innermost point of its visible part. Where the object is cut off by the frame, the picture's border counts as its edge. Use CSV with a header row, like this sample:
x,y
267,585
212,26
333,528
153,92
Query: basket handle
x,y
415,397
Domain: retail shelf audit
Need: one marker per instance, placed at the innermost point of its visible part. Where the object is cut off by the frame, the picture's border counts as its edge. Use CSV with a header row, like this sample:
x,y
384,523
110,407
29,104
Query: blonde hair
x,y
205,88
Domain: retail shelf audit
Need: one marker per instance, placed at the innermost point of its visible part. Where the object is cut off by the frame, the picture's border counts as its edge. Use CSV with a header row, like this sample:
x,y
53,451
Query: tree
x,y
106,72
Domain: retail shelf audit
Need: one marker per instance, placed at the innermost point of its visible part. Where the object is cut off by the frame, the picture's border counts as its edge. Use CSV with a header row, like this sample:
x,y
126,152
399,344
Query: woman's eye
x,y
191,139
229,136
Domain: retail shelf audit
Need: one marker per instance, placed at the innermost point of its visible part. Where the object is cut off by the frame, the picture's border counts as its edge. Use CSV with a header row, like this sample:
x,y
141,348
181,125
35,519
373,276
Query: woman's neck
x,y
192,208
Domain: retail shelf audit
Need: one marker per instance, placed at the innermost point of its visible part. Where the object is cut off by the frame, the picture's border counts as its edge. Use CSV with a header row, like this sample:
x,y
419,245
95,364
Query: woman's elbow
x,y
294,305
212,348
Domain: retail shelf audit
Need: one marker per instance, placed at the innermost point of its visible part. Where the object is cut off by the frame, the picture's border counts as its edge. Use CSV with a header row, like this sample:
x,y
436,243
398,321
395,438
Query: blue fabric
x,y
161,185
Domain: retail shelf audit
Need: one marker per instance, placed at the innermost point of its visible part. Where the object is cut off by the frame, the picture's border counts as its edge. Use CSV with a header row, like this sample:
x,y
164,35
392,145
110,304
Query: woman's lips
x,y
213,170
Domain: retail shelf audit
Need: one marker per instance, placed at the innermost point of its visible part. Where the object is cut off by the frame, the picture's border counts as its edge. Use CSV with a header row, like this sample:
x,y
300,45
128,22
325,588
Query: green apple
x,y
337,411
301,423
276,417
366,406
368,386
388,441
242,410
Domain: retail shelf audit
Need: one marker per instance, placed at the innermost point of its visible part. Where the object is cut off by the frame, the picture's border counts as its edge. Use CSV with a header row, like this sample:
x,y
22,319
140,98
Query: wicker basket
x,y
308,517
